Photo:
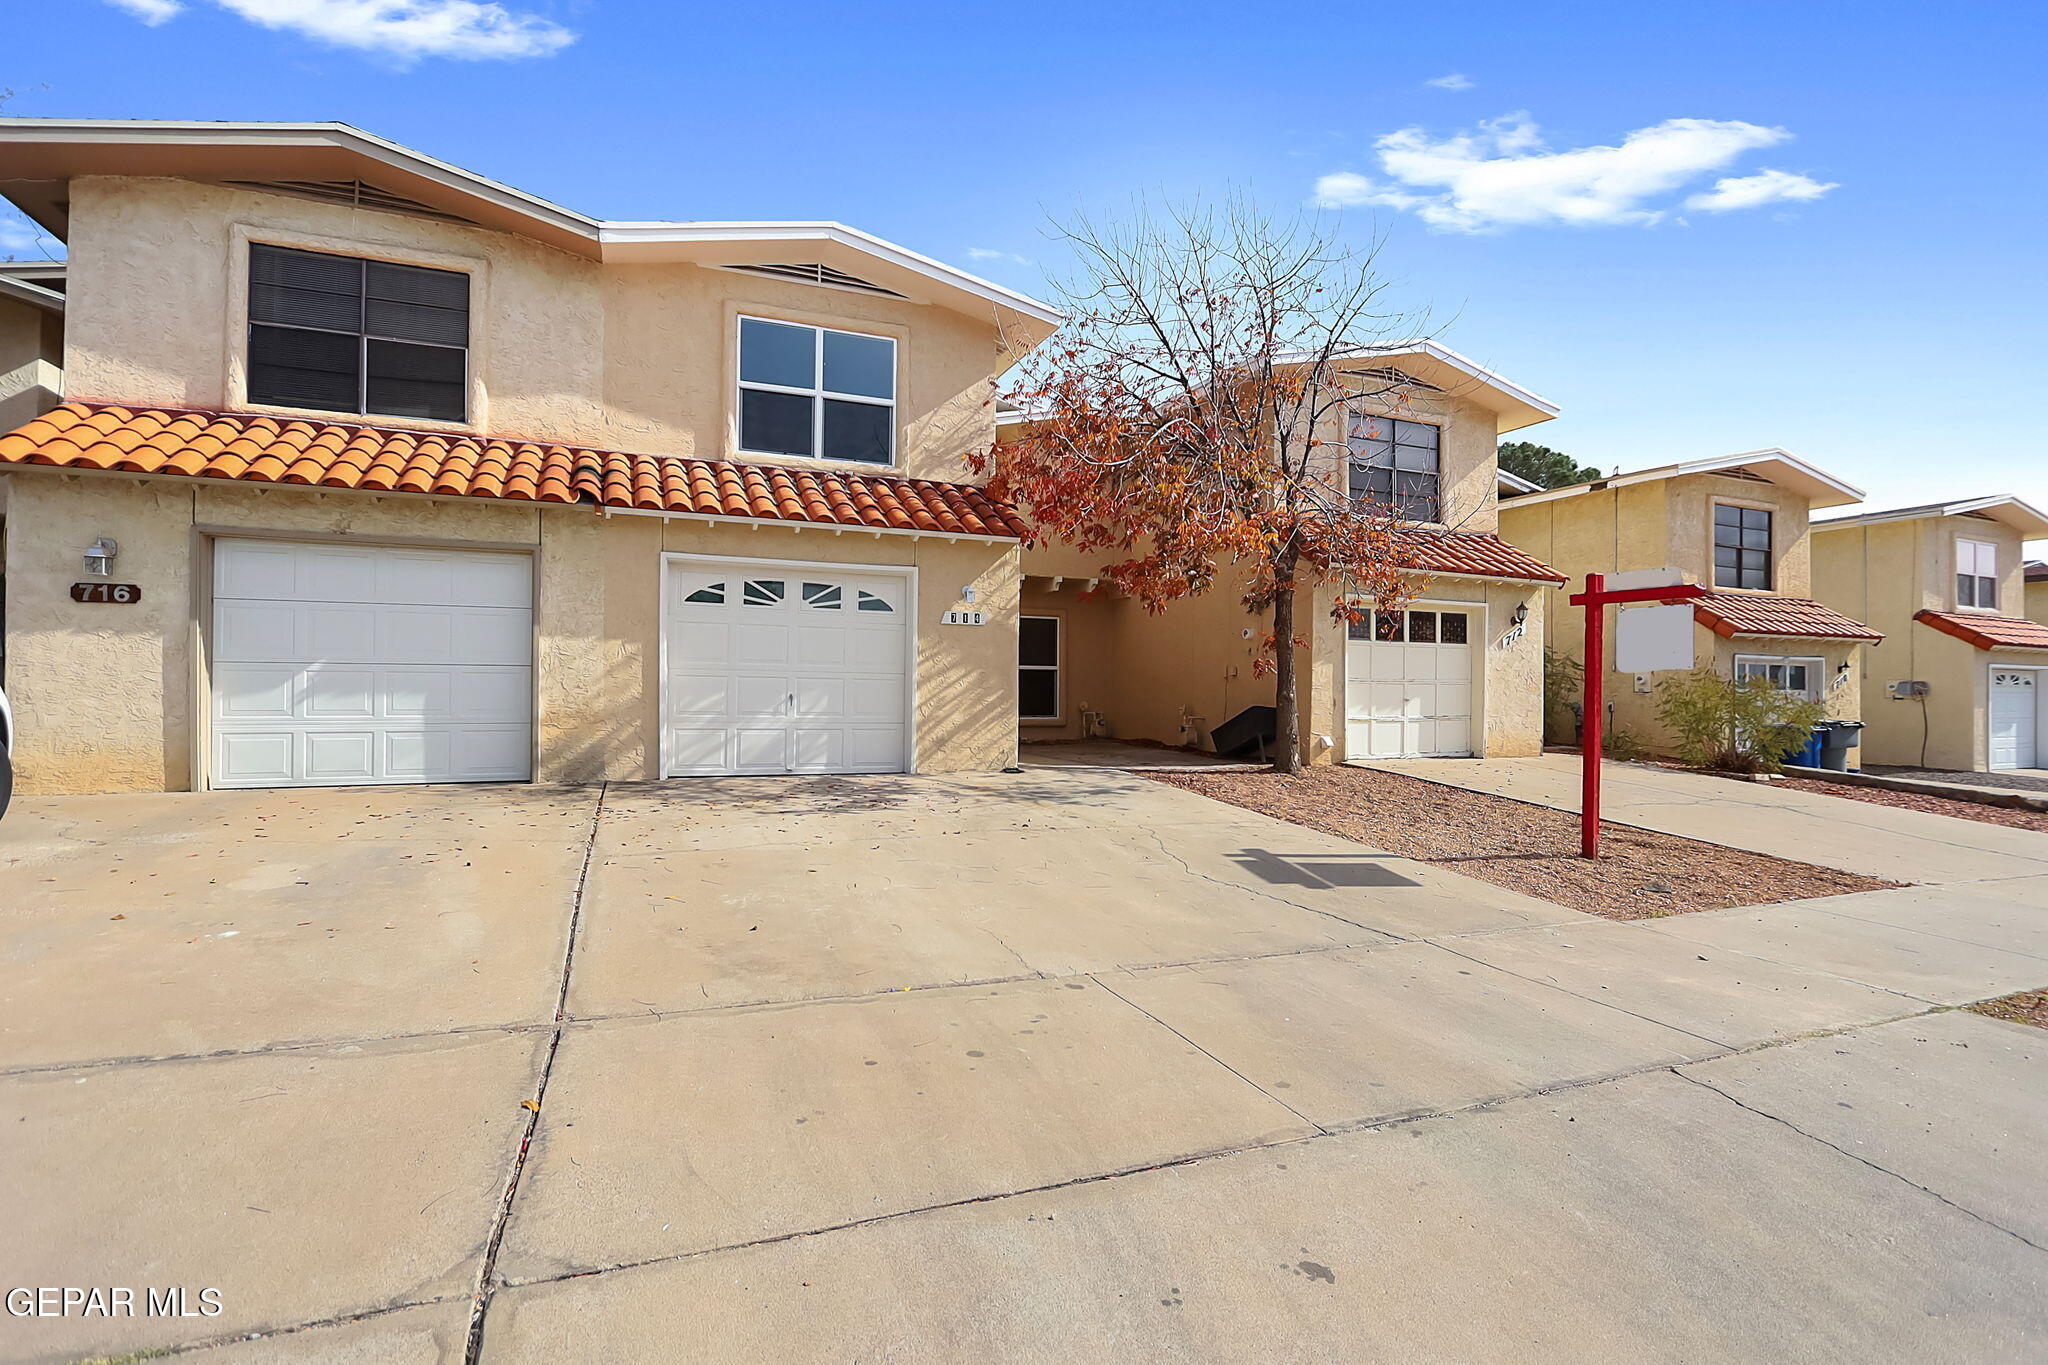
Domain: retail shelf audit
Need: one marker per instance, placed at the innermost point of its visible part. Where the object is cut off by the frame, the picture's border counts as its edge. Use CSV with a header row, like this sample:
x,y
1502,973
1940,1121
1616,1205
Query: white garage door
x,y
777,668
1408,684
2012,718
348,665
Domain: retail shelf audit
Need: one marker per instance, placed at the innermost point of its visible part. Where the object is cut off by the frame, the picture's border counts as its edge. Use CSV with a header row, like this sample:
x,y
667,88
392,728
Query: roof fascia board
x,y
1674,471
49,300
2029,520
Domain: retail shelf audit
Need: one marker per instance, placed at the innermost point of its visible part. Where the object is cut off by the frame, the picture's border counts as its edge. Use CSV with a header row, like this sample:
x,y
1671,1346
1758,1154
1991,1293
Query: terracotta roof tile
x,y
1472,552
314,453
1985,630
1738,613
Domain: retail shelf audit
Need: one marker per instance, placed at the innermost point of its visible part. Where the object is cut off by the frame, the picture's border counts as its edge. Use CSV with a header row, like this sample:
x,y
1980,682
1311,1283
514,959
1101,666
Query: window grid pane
x,y
1742,546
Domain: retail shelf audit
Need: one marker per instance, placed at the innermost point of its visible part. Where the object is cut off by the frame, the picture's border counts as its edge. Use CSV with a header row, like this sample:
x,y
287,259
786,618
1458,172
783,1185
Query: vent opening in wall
x,y
814,274
353,193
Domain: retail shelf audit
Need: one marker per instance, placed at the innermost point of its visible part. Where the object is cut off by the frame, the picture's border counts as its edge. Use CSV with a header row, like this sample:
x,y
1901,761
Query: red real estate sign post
x,y
1596,600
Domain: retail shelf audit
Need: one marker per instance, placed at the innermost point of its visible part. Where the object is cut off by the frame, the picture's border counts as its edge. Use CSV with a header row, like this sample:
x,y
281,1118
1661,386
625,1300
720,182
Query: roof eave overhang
x,y
1513,406
23,291
2028,520
1821,488
44,155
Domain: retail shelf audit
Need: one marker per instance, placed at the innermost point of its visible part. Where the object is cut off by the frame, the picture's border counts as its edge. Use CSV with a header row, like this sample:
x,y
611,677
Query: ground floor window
x,y
1038,668
1793,675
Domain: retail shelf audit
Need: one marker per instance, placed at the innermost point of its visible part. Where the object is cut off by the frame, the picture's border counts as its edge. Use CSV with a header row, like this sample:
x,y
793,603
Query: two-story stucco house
x,y
369,470
1737,525
1458,672
1961,680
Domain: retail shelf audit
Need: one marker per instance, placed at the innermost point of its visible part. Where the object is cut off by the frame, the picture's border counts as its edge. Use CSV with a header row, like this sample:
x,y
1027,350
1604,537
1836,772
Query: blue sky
x,y
1879,315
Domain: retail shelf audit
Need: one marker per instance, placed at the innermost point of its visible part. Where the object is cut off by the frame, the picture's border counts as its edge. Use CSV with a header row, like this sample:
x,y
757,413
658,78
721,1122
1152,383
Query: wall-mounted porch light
x,y
1521,612
99,556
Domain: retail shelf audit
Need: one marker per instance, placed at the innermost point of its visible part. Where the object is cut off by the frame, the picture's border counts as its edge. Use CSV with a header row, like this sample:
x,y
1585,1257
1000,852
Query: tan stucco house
x,y
1961,680
1738,525
1457,672
368,469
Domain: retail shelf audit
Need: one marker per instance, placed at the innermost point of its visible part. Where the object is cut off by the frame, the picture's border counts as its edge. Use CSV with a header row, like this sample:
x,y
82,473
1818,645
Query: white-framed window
x,y
348,334
816,392
1038,667
1977,575
1802,676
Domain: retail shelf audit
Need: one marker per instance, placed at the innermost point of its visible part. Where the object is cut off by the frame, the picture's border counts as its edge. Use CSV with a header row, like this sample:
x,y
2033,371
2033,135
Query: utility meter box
x,y
1899,691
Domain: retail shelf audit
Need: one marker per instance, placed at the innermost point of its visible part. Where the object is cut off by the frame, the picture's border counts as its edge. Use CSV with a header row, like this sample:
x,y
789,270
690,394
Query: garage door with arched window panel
x,y
1408,683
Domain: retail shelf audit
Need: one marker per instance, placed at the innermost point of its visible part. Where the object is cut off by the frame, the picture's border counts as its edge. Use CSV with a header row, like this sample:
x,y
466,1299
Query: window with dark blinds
x,y
342,334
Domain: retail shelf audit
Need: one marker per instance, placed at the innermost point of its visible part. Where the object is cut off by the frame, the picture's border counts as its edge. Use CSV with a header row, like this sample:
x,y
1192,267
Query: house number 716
x,y
105,592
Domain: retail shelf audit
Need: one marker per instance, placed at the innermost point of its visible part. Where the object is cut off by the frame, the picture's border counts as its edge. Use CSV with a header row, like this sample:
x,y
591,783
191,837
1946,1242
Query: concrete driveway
x,y
1062,1066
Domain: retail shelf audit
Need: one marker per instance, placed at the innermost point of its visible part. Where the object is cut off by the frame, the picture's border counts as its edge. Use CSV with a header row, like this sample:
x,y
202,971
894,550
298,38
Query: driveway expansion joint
x,y
1859,1159
487,1271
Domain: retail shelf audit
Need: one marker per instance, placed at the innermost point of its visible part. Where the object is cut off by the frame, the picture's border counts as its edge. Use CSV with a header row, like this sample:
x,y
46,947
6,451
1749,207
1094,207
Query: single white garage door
x,y
2013,713
348,665
778,668
1408,684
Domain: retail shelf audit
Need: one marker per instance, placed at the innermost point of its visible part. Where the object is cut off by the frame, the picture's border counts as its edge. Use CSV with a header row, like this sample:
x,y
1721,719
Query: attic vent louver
x,y
353,193
1389,375
814,274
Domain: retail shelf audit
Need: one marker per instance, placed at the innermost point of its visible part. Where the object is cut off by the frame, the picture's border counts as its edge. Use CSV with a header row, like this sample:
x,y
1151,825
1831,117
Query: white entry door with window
x,y
354,665
1408,679
2014,718
784,668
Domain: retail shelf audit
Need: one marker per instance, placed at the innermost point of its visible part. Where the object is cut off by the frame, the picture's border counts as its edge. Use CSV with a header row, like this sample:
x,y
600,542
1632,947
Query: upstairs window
x,y
344,334
1396,464
1742,547
1977,574
818,393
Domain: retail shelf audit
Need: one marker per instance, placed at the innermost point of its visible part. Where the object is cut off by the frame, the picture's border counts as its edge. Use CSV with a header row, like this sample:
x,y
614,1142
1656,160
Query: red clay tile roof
x,y
318,454
1472,552
1732,613
1987,631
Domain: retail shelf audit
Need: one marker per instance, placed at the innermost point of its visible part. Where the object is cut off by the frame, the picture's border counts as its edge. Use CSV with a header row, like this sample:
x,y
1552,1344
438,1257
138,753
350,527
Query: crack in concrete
x,y
1859,1159
486,1277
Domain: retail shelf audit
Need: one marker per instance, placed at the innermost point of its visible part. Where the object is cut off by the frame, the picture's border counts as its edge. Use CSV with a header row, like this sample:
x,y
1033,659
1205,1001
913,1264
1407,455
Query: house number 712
x,y
105,592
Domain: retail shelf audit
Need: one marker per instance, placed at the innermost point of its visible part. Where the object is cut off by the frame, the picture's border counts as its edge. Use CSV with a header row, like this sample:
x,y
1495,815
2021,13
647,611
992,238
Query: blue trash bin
x,y
1809,757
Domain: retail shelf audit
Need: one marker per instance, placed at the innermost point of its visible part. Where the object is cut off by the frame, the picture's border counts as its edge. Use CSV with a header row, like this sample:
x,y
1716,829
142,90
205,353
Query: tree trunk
x,y
1286,699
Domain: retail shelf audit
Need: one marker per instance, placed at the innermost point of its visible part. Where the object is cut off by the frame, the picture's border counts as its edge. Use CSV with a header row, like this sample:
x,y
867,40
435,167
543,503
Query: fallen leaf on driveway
x,y
534,1105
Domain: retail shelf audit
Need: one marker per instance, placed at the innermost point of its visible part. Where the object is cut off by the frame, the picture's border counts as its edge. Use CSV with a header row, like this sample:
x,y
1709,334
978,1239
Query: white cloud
x,y
983,253
1503,175
1754,191
1455,81
19,237
402,30
151,12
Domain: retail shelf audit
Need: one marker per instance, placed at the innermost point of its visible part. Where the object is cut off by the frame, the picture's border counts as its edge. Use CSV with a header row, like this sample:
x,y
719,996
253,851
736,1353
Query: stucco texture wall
x,y
629,357
112,697
31,352
1885,572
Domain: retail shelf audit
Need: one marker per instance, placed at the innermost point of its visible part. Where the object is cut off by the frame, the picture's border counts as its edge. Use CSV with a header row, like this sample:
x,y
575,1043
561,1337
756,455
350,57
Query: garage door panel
x,y
331,693
255,692
359,664
1410,698
807,669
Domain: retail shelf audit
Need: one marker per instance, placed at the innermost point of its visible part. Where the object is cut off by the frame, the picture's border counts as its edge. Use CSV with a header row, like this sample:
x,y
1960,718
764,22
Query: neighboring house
x,y
1738,525
1946,584
31,339
1459,672
417,478
2036,574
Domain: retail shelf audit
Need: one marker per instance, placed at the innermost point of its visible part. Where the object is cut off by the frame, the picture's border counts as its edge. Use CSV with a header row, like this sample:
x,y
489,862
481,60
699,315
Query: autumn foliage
x,y
1190,422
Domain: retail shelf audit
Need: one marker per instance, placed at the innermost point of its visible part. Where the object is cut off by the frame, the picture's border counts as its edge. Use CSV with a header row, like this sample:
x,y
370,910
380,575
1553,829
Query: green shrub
x,y
1622,746
1744,727
1563,679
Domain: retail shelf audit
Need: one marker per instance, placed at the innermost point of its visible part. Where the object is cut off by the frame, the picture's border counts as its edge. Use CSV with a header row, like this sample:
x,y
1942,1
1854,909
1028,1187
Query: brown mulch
x,y
2028,1007
2010,816
1532,849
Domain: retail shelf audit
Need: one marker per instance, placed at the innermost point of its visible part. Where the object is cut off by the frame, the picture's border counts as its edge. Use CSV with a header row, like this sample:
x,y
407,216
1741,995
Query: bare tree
x,y
1194,415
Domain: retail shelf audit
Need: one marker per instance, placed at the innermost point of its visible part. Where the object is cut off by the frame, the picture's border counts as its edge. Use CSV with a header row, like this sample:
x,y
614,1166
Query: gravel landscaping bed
x,y
1532,849
2010,816
2028,1007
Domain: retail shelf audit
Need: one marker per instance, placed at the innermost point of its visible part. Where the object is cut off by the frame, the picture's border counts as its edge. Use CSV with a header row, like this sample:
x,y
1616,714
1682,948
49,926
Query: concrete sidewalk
x,y
1044,1067
1855,836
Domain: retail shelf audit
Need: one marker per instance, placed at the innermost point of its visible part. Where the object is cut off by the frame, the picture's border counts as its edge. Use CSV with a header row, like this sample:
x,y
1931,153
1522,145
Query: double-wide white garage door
x,y
782,668
1408,683
349,665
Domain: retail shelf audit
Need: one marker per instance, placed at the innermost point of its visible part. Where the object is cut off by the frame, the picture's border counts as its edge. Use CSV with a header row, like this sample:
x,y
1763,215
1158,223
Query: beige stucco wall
x,y
1668,523
31,357
2037,601
112,698
1885,572
632,357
